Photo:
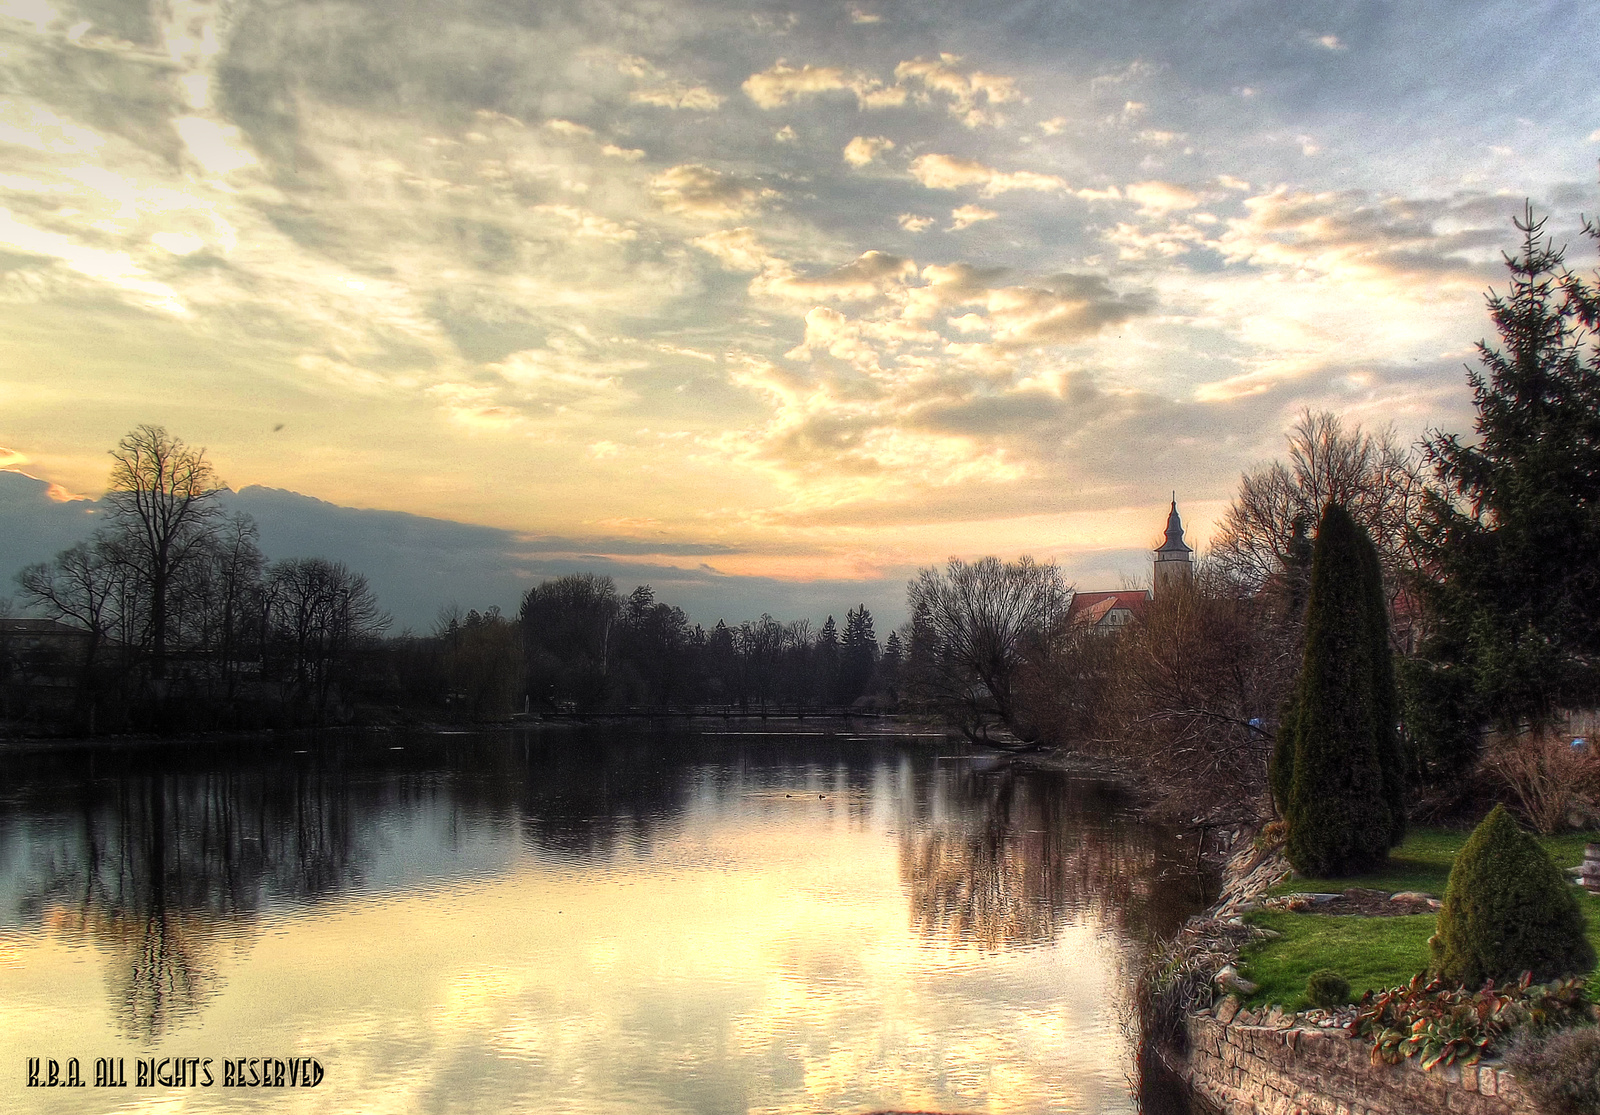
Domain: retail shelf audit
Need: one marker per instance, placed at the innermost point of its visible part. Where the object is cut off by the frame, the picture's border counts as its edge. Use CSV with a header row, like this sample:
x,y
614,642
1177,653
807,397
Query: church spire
x,y
1174,562
1174,543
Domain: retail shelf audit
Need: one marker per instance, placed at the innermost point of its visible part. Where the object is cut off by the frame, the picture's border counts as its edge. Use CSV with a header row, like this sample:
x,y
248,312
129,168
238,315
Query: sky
x,y
760,298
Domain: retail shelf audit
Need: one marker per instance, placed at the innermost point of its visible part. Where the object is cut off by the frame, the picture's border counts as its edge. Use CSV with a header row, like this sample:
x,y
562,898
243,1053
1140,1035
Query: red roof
x,y
1092,607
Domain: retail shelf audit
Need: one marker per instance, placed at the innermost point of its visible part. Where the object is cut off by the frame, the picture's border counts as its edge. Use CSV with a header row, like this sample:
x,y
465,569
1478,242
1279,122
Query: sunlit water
x,y
579,919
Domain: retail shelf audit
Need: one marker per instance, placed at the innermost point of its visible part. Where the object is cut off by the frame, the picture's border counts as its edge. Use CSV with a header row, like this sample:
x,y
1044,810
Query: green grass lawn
x,y
1373,953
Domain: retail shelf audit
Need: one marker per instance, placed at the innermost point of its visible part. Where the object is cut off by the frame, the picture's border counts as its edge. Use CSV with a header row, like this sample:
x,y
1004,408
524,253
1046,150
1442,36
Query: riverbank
x,y
1243,1055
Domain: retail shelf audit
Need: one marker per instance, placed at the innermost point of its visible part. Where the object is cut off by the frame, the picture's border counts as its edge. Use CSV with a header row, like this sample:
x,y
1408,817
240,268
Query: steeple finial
x,y
1174,542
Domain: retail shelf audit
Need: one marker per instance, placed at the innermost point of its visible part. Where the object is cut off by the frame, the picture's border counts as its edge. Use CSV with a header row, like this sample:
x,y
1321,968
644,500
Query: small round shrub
x,y
1327,989
1507,909
1560,1071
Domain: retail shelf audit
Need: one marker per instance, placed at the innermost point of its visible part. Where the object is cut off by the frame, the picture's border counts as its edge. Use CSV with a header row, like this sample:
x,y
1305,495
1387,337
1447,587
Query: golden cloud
x,y
701,192
949,172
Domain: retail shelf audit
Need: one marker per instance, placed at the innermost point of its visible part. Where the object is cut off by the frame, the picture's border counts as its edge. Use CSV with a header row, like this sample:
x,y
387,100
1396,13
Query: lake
x,y
780,916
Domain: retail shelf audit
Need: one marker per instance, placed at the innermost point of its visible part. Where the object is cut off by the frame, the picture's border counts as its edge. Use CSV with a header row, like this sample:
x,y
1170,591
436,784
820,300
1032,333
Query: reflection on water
x,y
1025,852
586,919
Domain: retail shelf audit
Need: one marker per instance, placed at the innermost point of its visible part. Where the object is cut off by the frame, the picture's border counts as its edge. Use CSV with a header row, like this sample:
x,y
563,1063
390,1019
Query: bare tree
x,y
1264,539
973,627
163,496
216,599
86,587
320,613
1193,694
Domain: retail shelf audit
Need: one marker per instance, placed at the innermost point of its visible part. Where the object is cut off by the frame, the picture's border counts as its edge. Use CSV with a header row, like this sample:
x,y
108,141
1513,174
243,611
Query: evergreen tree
x,y
889,666
1340,788
1510,537
1507,909
1385,697
858,656
827,661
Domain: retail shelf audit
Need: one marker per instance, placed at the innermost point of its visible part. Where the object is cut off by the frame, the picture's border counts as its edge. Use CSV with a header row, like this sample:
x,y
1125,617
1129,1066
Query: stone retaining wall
x,y
1273,1064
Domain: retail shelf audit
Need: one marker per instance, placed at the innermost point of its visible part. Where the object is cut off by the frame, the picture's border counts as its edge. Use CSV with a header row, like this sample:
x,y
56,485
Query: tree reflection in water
x,y
167,873
1004,857
166,858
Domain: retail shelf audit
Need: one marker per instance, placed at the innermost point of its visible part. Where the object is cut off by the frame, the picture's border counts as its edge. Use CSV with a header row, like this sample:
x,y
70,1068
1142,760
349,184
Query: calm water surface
x,y
580,919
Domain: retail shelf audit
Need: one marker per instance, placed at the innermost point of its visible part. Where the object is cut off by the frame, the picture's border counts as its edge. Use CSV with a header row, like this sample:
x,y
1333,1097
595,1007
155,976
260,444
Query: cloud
x,y
968,215
913,223
1326,42
1134,71
698,191
585,223
1160,198
949,172
782,84
865,278
1136,243
564,127
1070,308
868,406
116,269
675,94
219,148
737,249
1356,234
863,149
972,95
30,124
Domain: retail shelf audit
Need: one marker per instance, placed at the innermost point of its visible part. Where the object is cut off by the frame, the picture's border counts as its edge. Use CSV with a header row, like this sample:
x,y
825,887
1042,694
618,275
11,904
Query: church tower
x,y
1174,560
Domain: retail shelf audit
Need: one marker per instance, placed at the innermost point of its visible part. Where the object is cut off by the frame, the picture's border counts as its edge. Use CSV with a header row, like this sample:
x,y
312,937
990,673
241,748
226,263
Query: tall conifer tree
x,y
1509,540
1343,795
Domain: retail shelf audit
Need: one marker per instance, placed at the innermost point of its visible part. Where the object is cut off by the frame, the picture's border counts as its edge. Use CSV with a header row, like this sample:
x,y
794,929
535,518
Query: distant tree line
x,y
173,619
588,648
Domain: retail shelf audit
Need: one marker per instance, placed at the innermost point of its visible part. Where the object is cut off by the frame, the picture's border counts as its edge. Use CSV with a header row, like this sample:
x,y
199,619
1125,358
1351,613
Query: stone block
x,y
1469,1078
1486,1080
1228,1009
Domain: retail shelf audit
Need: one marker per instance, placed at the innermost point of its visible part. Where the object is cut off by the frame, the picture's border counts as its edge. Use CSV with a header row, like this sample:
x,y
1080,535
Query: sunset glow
x,y
810,292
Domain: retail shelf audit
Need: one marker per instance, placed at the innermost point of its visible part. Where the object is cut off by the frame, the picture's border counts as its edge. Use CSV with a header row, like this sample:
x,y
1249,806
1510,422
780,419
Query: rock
x,y
1229,979
1411,896
1227,1009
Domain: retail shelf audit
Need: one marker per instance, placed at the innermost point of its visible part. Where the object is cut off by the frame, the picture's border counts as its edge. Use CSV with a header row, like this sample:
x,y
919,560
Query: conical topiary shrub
x,y
1332,767
1385,696
1507,909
